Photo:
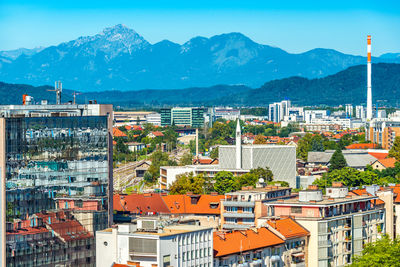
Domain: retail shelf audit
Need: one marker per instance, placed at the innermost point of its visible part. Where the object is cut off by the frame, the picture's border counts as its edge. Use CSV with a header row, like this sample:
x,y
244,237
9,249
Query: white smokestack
x,y
369,90
238,146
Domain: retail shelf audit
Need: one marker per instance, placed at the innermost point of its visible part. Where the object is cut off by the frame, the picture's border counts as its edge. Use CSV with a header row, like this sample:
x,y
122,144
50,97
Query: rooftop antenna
x,y
58,90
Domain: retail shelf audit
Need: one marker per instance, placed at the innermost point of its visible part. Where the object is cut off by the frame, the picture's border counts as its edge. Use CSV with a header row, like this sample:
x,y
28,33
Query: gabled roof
x,y
140,203
288,228
387,163
379,155
157,133
205,204
118,133
240,241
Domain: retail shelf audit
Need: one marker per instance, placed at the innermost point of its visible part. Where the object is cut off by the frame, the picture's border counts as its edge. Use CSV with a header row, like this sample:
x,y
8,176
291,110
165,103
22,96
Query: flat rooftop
x,y
326,201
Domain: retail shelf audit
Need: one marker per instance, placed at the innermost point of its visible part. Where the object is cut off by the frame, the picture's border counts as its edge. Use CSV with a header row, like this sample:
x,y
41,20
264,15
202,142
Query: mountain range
x,y
119,58
347,86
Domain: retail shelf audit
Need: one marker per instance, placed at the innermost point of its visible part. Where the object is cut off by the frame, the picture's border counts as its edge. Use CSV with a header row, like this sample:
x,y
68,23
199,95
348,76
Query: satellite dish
x,y
261,180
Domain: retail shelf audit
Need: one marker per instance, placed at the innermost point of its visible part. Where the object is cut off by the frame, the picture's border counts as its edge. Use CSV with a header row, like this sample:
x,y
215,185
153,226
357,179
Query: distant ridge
x,y
348,86
119,58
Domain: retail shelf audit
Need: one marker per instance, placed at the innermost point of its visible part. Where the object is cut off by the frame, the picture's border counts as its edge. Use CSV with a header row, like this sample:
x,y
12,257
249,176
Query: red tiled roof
x,y
360,192
134,127
362,146
379,155
67,229
182,204
137,203
238,241
118,133
28,231
157,133
388,162
288,228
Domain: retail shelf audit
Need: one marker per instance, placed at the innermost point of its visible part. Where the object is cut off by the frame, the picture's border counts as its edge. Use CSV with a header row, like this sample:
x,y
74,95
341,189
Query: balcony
x,y
238,215
238,203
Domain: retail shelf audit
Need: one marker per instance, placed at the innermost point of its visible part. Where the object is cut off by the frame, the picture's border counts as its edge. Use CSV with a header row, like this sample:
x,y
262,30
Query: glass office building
x,y
56,174
193,117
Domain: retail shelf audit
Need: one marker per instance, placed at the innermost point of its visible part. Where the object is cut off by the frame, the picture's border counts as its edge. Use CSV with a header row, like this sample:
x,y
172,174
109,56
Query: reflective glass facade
x,y
56,179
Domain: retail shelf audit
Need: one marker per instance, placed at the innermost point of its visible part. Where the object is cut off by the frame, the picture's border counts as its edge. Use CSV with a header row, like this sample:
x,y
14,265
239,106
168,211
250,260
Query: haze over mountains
x,y
120,59
348,86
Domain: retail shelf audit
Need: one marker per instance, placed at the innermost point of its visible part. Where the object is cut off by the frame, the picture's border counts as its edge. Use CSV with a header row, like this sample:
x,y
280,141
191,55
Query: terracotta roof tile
x,y
362,146
205,204
118,133
388,162
288,228
379,155
239,241
137,203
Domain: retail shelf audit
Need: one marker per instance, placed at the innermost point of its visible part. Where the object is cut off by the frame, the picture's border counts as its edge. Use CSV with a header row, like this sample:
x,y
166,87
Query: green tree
x,y
224,182
220,130
187,159
259,139
199,184
264,173
304,146
159,159
385,252
121,147
394,152
247,179
214,153
317,143
337,161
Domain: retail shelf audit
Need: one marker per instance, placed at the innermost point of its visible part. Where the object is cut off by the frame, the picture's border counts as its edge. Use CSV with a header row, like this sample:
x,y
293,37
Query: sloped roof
x,y
388,163
157,133
182,204
360,192
118,133
137,203
240,241
378,155
288,228
358,160
319,157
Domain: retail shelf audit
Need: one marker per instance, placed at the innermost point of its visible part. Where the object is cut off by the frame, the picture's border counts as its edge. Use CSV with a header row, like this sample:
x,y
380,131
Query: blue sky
x,y
295,26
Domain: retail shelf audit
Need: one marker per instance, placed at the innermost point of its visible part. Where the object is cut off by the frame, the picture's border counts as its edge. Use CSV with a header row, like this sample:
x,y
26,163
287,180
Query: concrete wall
x,y
106,248
312,255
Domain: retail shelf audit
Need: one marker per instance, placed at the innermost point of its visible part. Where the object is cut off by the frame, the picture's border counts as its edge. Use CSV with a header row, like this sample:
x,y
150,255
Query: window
x,y
296,209
183,256
248,209
231,209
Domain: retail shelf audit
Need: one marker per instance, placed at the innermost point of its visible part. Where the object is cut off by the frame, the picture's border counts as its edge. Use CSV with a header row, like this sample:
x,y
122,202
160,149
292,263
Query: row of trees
x,y
223,182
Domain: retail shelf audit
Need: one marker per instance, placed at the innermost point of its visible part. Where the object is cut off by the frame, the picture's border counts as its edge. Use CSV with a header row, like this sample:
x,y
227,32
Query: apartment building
x,y
242,209
152,244
296,239
383,131
339,223
254,247
278,110
53,151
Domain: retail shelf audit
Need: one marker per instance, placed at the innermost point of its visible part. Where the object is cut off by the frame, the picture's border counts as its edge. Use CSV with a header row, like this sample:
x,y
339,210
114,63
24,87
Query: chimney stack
x,y
369,90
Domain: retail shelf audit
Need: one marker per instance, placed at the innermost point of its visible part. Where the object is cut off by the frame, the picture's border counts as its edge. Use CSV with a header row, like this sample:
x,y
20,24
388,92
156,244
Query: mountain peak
x,y
119,28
